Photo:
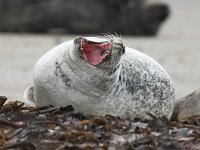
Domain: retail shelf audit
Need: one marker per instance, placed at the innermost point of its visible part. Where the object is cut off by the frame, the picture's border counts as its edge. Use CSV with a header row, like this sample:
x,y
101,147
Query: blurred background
x,y
167,30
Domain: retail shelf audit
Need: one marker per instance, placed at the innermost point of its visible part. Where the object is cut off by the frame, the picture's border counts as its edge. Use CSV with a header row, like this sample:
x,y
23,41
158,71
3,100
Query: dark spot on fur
x,y
114,69
67,81
124,79
120,77
60,72
123,49
57,65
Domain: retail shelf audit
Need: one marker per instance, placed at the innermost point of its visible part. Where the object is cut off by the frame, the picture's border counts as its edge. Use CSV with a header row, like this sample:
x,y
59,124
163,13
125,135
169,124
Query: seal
x,y
96,16
99,75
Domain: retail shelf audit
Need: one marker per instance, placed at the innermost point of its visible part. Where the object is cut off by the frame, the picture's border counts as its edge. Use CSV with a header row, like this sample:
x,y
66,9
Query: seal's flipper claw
x,y
28,97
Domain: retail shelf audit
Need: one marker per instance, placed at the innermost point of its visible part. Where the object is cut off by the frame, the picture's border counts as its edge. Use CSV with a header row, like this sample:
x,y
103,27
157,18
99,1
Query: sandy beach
x,y
176,48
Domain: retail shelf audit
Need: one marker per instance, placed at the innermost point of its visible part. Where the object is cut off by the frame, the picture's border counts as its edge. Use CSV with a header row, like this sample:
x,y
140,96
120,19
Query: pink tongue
x,y
94,53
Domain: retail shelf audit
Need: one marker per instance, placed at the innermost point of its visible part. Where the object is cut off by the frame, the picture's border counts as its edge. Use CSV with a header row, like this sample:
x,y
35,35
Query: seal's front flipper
x,y
28,97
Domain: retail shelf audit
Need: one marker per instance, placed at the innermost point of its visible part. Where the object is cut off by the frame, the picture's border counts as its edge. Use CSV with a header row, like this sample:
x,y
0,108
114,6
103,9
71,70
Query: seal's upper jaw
x,y
94,52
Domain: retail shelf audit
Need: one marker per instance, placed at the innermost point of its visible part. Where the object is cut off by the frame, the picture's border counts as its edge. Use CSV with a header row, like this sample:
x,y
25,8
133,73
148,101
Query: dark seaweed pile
x,y
47,127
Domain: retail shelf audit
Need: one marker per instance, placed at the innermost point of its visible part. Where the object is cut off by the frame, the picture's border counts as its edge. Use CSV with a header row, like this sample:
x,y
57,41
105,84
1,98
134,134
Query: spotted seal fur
x,y
99,75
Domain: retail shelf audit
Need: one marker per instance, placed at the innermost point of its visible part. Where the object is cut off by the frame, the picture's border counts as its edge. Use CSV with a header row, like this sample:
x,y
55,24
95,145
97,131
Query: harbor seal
x,y
99,75
133,17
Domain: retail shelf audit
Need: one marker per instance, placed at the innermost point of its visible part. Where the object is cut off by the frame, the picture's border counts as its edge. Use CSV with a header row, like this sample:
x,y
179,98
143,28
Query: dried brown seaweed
x,y
47,127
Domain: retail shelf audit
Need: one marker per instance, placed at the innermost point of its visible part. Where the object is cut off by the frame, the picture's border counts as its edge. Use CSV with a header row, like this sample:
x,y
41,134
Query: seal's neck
x,y
100,80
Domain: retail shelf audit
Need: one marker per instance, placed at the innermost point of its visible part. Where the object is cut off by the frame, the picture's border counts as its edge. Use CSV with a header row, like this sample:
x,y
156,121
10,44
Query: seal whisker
x,y
108,35
110,69
103,36
116,35
103,77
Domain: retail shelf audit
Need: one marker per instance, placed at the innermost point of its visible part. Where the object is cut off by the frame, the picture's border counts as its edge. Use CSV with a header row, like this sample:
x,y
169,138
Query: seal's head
x,y
104,52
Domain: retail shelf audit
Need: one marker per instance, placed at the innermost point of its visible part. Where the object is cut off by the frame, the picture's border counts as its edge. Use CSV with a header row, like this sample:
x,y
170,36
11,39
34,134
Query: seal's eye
x,y
107,58
103,52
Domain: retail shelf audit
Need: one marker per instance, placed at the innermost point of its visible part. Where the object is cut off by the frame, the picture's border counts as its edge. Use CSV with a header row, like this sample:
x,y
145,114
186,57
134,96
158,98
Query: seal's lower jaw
x,y
95,52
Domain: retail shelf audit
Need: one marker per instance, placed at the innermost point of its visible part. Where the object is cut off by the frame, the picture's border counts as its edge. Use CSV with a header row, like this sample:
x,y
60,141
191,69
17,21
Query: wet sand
x,y
176,48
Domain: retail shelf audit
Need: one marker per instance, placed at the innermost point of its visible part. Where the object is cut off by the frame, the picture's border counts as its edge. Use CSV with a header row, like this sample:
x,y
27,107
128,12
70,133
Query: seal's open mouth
x,y
95,52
